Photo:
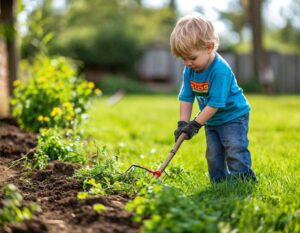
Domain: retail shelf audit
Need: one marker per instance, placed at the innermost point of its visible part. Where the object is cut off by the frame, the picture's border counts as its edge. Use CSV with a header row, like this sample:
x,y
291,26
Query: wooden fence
x,y
157,64
286,70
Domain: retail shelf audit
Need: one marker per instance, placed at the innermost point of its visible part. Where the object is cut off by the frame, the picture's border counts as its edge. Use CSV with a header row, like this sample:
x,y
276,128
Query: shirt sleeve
x,y
186,93
219,89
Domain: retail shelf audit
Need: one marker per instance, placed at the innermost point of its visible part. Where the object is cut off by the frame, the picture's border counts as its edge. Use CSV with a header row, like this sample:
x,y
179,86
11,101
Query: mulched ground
x,y
55,192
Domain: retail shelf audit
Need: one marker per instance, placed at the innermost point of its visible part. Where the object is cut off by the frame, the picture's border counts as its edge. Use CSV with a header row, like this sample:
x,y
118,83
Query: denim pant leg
x,y
215,155
234,138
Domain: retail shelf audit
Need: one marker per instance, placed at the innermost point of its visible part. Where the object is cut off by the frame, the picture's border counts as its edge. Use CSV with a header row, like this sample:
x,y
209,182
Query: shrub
x,y
110,84
109,47
53,95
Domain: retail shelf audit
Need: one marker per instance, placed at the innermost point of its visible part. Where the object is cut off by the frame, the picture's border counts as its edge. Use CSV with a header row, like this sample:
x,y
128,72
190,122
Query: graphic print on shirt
x,y
199,89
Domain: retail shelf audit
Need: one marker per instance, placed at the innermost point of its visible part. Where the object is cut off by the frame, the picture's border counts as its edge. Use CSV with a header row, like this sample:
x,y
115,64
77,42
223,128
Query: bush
x,y
112,83
53,95
110,48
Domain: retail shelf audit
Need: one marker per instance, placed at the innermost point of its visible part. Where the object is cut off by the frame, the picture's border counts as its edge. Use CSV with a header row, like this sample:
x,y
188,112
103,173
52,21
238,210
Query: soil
x,y
55,191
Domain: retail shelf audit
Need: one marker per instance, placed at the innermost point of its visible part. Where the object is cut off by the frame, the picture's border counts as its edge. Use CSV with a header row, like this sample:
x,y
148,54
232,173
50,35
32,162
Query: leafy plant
x,y
91,188
162,207
53,95
104,173
54,144
12,210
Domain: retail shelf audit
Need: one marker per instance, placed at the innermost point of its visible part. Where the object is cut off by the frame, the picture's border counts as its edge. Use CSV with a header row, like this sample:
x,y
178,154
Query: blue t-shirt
x,y
217,87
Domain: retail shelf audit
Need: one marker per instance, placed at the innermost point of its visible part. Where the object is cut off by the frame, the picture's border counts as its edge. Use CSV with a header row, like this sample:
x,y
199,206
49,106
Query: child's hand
x,y
191,129
180,125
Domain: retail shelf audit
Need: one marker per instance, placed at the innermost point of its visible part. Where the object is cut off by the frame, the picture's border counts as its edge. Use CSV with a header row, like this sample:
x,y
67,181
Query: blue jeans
x,y
227,151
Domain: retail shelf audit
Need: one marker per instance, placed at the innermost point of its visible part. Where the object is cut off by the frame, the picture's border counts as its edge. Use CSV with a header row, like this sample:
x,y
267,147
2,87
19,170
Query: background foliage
x,y
112,35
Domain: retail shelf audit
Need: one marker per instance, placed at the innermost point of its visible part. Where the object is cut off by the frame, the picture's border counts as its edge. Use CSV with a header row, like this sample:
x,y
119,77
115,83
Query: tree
x,y
261,59
7,19
107,35
290,33
237,16
42,24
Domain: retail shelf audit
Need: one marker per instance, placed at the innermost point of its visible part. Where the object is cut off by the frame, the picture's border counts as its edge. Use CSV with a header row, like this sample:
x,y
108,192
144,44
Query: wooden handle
x,y
171,154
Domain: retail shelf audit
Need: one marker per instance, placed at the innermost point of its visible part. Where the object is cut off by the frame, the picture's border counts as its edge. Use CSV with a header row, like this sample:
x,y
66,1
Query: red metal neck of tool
x,y
157,173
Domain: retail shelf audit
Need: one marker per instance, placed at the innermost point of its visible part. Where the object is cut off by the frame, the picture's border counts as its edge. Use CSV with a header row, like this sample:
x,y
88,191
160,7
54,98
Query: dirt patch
x,y
14,142
5,172
55,191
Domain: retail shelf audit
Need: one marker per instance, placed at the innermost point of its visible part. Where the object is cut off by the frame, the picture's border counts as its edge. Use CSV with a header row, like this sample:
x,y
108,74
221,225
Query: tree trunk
x,y
261,59
172,5
7,19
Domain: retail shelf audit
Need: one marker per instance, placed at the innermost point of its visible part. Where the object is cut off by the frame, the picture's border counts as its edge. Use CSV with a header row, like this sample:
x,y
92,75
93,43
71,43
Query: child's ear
x,y
210,47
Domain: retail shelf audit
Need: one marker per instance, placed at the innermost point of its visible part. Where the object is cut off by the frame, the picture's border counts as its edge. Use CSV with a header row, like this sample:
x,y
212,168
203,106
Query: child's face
x,y
199,60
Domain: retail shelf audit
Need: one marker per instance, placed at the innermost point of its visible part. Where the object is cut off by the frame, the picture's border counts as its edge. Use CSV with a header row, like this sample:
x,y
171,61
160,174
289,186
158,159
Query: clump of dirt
x,y
55,191
14,142
33,226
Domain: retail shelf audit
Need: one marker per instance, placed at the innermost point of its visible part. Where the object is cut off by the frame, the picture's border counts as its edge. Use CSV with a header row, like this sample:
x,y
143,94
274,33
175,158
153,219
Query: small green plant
x,y
53,95
12,210
105,172
54,144
91,188
99,207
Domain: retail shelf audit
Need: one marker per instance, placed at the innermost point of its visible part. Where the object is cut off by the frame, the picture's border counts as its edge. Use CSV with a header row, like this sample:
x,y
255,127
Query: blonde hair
x,y
192,33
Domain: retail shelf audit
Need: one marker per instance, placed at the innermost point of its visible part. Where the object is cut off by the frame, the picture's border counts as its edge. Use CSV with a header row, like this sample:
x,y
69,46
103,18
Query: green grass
x,y
139,129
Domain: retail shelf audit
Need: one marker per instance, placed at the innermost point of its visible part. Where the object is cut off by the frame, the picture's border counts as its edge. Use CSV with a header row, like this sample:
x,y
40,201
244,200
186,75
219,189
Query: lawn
x,y
139,129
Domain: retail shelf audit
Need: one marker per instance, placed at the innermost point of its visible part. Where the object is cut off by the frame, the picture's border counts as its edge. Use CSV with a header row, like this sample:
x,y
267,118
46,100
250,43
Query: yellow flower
x,y
16,83
98,91
91,85
40,118
46,119
55,111
67,105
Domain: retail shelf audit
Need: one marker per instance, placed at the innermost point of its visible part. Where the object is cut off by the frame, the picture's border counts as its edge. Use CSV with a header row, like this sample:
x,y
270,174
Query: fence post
x,y
4,90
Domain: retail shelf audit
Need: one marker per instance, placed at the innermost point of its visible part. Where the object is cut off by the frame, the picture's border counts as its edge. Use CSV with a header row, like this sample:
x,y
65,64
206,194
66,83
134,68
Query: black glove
x,y
180,125
191,129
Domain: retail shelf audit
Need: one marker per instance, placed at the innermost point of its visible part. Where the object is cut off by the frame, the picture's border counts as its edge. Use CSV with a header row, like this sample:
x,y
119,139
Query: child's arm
x,y
193,126
185,116
205,114
185,111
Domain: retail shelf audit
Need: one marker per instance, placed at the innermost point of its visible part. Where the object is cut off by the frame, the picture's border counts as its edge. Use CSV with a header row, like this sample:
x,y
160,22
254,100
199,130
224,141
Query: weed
x,y
12,210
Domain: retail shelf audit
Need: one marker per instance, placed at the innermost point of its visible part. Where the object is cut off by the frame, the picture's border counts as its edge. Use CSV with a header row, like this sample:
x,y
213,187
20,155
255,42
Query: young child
x,y
224,109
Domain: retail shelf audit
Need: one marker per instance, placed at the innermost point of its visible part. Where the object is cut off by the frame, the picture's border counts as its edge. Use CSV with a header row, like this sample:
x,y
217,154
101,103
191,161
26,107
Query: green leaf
x,y
82,195
99,207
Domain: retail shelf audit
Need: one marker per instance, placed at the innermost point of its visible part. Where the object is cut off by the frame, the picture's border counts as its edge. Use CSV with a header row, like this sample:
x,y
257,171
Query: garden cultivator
x,y
157,173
